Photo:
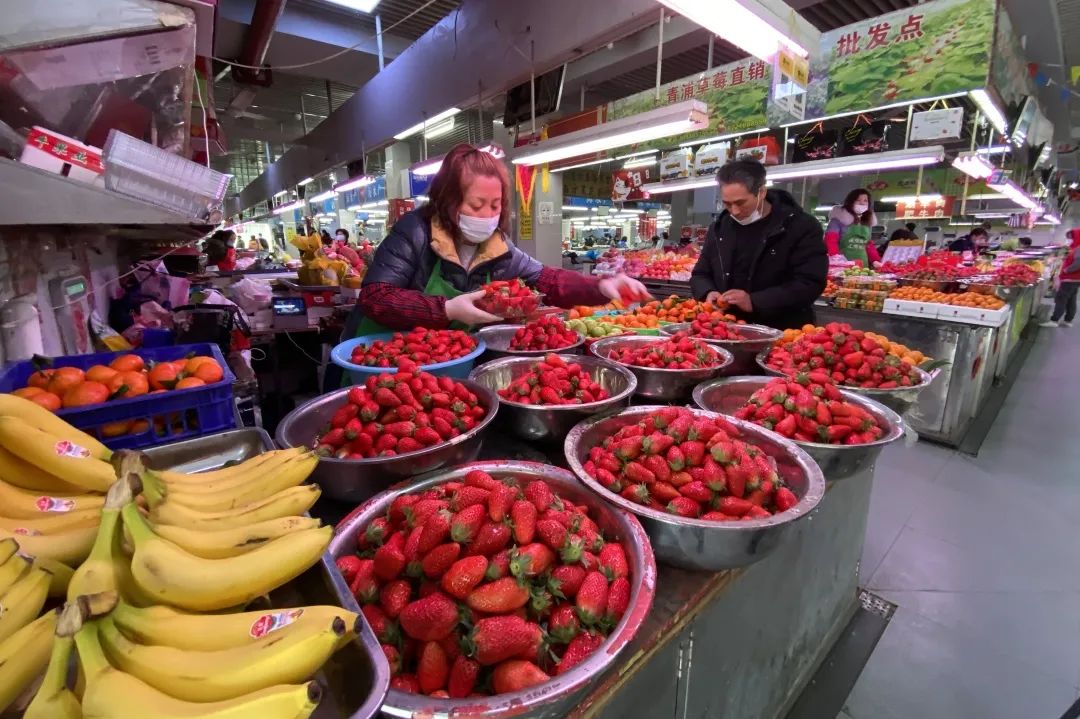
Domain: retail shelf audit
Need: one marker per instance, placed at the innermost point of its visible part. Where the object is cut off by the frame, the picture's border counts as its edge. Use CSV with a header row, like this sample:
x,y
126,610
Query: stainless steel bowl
x,y
899,400
837,461
535,423
557,697
743,352
354,480
701,544
497,338
668,385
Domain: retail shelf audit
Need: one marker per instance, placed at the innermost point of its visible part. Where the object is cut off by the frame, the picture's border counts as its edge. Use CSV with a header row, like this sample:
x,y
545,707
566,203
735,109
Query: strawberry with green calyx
x,y
566,580
499,597
579,649
532,560
563,624
684,507
495,639
492,538
592,597
465,524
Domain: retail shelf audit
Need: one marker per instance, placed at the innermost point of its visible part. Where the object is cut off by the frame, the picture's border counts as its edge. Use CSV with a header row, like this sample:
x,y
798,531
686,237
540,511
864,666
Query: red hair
x,y
447,190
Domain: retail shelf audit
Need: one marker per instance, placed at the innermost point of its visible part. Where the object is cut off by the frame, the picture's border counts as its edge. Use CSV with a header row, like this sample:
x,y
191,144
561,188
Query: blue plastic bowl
x,y
458,368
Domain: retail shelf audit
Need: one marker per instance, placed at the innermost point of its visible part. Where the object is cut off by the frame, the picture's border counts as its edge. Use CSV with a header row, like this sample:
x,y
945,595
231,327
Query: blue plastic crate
x,y
169,416
341,355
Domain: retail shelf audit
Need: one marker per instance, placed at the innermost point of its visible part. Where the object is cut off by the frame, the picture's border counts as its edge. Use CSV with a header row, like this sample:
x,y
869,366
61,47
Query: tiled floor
x,y
982,556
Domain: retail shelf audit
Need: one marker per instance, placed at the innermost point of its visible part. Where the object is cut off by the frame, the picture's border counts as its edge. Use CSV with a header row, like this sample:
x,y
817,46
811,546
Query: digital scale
x,y
71,296
289,313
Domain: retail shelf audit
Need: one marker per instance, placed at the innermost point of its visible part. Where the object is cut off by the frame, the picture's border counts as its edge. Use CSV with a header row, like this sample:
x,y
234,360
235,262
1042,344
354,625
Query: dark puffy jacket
x,y
788,271
406,258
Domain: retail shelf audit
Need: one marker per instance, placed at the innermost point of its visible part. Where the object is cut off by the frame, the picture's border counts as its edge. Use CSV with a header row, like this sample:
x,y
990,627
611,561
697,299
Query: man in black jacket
x,y
764,255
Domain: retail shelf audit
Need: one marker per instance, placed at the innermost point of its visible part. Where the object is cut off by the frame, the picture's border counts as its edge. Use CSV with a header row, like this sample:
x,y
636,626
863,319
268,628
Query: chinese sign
x,y
70,151
935,48
627,184
587,182
735,94
926,209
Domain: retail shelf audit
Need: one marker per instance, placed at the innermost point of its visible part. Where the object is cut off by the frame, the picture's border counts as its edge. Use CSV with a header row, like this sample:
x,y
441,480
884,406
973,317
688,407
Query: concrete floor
x,y
982,557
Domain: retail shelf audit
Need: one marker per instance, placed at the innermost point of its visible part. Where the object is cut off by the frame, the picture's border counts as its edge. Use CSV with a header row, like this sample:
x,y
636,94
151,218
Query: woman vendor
x,y
429,270
848,232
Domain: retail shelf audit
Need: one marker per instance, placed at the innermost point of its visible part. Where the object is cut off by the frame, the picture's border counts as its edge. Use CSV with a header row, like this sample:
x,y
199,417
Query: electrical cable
x,y
337,54
303,351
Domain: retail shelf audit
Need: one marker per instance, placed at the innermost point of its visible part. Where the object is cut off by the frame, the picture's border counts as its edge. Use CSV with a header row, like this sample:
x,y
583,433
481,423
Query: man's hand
x,y
714,298
463,309
623,288
738,298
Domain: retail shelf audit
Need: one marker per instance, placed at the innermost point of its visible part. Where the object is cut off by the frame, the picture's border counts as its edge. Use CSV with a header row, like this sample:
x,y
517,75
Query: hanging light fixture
x,y
289,207
972,165
761,27
353,183
895,159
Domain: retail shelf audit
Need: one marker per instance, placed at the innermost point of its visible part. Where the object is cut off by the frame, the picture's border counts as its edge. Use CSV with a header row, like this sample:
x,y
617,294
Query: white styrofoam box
x,y
912,308
976,316
53,152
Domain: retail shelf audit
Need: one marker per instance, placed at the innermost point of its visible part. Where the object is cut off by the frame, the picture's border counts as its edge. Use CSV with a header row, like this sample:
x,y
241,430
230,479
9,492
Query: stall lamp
x,y
355,182
995,150
419,127
988,107
353,208
750,24
911,157
910,199
1013,192
329,194
371,205
288,208
640,163
575,208
443,128
824,208
427,168
640,153
973,166
721,138
581,164
987,196
675,119
692,183
1050,220
306,181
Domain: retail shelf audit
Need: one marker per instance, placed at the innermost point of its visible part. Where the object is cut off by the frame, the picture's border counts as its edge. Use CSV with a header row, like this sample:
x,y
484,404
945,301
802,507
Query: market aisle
x,y
981,556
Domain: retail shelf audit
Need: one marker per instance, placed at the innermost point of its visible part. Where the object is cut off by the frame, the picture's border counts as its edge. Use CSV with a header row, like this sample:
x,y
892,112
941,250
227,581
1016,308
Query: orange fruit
x,y
163,375
210,372
100,373
64,379
197,361
139,426
189,382
27,392
115,429
127,363
128,384
48,400
86,393
40,378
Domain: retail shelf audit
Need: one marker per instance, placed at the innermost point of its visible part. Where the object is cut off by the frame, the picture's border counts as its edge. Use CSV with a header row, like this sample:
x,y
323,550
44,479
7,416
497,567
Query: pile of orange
x,y
830,288
635,321
578,312
677,309
961,299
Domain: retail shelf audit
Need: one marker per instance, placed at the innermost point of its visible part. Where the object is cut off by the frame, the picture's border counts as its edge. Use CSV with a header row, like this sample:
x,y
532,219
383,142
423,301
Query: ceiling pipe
x,y
264,20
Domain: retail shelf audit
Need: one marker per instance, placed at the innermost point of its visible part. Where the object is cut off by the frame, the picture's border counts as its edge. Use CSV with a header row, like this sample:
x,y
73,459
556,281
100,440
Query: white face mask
x,y
860,207
754,216
477,229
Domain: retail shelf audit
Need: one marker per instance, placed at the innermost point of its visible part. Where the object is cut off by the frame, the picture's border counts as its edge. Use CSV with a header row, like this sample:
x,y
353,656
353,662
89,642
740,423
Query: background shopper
x,y
1065,299
848,233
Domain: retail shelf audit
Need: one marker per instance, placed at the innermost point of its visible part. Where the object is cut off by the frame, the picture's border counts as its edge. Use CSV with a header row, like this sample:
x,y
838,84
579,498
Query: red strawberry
x,y
438,560
552,533
419,513
499,566
500,500
696,491
465,524
591,599
540,494
365,587
531,560
618,600
348,565
393,658
468,496
429,619
563,624
523,514
463,676
480,478
516,675
499,597
784,499
407,683
451,644
393,597
384,628
374,534
683,507
613,561
436,529
433,668
464,575
491,538
579,648
390,558
497,638
566,580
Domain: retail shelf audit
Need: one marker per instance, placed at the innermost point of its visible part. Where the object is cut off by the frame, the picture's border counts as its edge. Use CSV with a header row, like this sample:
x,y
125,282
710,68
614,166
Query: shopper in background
x,y
764,255
325,237
971,242
848,233
1065,298
342,235
429,269
220,251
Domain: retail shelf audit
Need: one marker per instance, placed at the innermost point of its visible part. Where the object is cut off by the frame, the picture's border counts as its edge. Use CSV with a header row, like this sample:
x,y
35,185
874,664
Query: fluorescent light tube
x,y
647,162
371,205
973,166
989,108
749,24
359,5
987,196
1013,191
430,121
720,138
581,164
426,168
574,207
636,154
911,157
910,198
995,150
443,128
355,182
353,208
690,183
286,208
323,196
675,119
305,182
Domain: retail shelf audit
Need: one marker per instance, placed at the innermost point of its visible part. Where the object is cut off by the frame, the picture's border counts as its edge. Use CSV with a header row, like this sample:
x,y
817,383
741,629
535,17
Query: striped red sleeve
x,y
401,309
565,288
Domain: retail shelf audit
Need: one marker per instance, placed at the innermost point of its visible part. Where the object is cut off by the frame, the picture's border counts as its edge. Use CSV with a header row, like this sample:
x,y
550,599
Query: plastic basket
x,y
139,169
341,355
151,419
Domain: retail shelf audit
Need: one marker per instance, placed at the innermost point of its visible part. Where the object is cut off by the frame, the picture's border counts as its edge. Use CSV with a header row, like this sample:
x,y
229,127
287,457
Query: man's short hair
x,y
980,231
748,173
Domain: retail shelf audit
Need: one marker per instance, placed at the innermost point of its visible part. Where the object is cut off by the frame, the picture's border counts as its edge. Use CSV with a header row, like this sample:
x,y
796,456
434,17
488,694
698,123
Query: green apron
x,y
853,243
436,287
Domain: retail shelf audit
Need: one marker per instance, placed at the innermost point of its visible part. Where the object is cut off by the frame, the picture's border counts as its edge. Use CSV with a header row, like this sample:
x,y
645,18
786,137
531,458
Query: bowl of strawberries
x,y
497,589
532,339
712,492
843,431
391,427
667,368
742,340
544,397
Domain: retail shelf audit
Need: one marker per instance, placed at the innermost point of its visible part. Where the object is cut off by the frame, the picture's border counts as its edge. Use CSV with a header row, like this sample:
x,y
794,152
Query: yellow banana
x,y
11,570
173,576
209,676
23,601
280,474
60,456
69,547
165,626
20,474
275,480
241,472
286,503
20,503
53,699
59,574
224,543
23,655
112,694
40,418
51,523
8,547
